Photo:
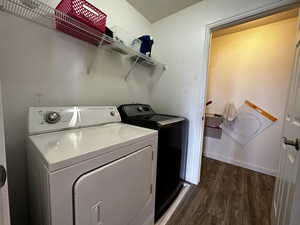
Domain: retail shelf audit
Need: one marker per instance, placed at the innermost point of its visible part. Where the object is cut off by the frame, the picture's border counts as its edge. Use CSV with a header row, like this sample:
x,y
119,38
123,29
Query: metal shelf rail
x,y
42,14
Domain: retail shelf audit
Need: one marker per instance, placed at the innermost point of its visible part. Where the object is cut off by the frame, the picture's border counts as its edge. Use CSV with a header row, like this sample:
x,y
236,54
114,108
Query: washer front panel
x,y
116,193
61,182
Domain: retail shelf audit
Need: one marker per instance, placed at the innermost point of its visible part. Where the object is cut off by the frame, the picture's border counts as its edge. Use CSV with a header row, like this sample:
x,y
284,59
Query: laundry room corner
x,y
138,112
53,70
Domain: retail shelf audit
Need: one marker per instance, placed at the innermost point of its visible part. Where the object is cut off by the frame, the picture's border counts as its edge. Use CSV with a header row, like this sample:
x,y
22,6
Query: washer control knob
x,y
140,109
52,117
146,109
112,113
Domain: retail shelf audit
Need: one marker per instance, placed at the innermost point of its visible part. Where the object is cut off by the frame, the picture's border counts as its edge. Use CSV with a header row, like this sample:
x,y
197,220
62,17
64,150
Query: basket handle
x,y
90,9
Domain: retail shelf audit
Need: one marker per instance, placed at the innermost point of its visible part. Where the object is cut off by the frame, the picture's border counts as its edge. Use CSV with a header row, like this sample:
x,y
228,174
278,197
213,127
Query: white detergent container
x,y
88,168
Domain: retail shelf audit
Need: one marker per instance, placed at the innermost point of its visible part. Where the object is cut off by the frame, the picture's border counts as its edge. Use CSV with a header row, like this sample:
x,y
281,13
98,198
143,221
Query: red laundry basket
x,y
84,12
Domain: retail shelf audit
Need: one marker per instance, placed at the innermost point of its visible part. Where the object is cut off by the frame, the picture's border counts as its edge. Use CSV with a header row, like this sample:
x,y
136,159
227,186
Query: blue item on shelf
x,y
146,47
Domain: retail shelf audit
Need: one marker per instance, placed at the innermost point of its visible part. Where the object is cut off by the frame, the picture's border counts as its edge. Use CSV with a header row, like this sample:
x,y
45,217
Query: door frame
x,y
4,198
244,17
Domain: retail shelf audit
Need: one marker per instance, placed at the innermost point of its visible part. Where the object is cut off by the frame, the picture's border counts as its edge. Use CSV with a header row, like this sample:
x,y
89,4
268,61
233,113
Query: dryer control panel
x,y
49,119
131,110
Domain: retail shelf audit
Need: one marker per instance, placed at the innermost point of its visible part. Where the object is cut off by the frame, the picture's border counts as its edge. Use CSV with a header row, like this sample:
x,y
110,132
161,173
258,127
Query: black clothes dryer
x,y
171,154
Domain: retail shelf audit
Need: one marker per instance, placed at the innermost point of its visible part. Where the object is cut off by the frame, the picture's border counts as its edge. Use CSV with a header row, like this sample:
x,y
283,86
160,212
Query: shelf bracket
x,y
132,68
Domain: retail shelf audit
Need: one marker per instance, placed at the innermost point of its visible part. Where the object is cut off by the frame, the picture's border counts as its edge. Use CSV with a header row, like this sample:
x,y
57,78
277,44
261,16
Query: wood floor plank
x,y
227,195
234,213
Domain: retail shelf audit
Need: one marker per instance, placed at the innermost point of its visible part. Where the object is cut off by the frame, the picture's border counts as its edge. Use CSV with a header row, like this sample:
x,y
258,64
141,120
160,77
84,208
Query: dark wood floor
x,y
227,195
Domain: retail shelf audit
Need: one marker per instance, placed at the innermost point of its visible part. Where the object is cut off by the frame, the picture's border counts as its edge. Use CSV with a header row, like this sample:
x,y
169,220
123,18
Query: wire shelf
x,y
42,14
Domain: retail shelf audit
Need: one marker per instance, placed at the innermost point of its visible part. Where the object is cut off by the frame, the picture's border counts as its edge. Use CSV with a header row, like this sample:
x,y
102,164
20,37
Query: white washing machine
x,y
88,168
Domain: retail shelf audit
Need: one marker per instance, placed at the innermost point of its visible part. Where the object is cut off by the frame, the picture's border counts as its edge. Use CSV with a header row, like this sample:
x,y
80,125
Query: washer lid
x,y
155,119
62,149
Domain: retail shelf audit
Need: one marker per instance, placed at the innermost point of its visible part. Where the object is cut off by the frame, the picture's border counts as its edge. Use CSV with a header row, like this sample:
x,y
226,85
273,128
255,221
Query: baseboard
x,y
240,164
167,216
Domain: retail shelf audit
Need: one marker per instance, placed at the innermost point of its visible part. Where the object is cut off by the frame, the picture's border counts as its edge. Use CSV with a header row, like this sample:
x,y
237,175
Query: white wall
x,y
255,65
43,67
39,62
180,40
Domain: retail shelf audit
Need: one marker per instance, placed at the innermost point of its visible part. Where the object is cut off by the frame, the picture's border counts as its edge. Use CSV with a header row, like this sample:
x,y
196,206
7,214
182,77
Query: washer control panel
x,y
90,116
49,119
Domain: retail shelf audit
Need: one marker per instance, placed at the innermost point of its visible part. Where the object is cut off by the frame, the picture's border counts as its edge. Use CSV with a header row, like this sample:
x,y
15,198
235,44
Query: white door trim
x,y
4,199
234,20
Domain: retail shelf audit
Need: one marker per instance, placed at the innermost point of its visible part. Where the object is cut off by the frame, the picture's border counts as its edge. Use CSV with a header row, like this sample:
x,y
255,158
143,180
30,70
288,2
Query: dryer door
x,y
115,194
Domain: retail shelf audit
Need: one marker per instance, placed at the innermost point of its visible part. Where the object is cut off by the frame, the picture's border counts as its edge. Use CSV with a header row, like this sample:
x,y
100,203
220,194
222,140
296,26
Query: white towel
x,y
230,112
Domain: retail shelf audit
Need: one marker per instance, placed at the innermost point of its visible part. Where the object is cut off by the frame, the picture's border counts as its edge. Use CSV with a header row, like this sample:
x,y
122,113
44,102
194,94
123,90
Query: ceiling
x,y
258,22
154,10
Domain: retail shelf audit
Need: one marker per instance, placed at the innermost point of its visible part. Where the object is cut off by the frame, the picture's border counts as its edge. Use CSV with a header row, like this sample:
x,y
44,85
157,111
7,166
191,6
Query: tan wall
x,y
255,65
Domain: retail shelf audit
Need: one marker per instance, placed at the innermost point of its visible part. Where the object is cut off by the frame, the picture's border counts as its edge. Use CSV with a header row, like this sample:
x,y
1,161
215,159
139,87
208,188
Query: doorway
x,y
230,194
248,83
250,66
